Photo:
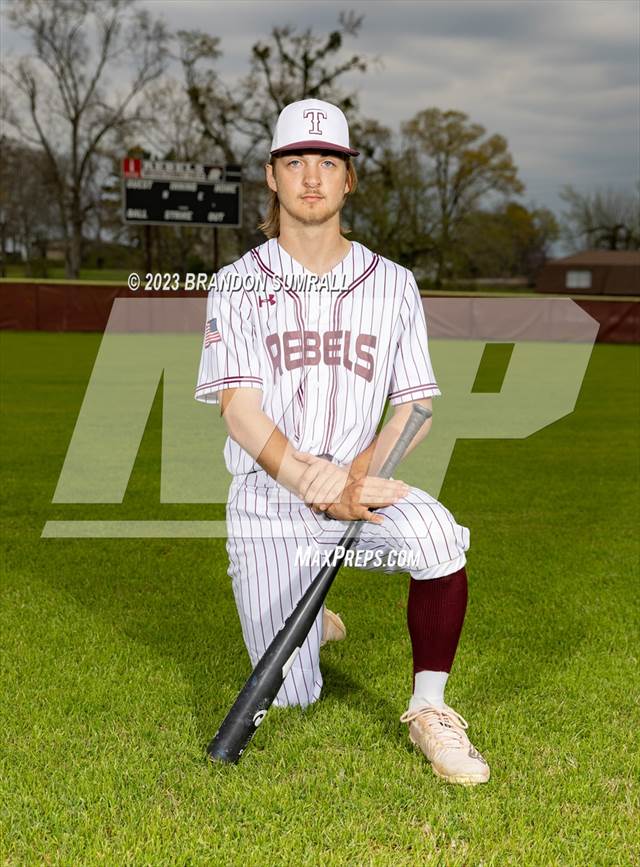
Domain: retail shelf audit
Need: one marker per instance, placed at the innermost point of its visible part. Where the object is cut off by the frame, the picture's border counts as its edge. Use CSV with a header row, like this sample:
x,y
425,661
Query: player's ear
x,y
270,177
347,180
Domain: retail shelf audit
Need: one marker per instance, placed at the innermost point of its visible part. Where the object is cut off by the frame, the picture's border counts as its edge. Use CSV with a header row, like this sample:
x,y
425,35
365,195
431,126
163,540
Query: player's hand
x,y
361,495
331,489
321,481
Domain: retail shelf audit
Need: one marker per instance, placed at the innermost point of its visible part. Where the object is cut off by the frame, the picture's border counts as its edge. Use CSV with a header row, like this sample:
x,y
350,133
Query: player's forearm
x,y
257,434
370,461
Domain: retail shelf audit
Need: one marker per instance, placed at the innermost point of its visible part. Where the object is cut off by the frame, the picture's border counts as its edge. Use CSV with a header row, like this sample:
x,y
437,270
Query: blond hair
x,y
270,225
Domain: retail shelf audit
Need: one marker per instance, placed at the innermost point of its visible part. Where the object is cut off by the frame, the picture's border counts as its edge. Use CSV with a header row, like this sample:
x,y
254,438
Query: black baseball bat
x,y
258,693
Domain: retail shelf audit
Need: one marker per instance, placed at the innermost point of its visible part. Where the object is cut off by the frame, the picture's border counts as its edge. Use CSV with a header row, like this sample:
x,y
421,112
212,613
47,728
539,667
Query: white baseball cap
x,y
311,123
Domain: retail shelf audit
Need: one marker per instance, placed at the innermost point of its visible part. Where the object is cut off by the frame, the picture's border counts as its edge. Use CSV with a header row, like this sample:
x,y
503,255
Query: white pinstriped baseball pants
x,y
266,524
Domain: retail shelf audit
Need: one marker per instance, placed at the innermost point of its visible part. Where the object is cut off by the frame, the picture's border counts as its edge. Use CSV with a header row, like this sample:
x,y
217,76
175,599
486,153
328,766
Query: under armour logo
x,y
271,298
315,114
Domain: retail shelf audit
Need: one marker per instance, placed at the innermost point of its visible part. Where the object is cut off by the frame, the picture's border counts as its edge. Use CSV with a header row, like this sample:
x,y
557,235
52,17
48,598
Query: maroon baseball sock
x,y
435,614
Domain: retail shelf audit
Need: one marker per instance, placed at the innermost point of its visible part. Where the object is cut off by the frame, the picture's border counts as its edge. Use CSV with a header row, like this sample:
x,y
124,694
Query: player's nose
x,y
311,177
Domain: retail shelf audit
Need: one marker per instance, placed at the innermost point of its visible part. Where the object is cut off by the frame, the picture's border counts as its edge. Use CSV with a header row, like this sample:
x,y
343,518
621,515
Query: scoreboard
x,y
155,192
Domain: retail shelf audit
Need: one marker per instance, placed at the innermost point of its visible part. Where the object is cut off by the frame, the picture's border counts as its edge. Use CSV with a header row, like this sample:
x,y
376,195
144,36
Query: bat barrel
x,y
267,677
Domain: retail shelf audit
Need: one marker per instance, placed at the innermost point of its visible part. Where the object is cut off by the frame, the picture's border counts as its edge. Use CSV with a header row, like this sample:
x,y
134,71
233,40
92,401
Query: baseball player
x,y
302,359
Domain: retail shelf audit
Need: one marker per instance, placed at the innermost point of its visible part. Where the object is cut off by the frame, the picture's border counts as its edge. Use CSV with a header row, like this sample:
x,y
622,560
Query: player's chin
x,y
314,214
314,206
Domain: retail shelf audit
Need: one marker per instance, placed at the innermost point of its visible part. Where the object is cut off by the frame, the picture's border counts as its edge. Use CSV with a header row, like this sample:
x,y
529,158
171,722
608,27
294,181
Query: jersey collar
x,y
273,261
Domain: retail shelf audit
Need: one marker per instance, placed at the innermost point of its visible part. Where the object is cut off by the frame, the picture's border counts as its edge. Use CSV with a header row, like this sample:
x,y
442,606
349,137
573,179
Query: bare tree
x,y
176,133
236,123
294,66
210,99
77,44
459,168
608,219
288,67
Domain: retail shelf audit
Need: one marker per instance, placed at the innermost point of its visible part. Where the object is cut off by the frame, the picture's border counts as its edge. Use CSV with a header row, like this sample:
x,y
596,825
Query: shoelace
x,y
451,723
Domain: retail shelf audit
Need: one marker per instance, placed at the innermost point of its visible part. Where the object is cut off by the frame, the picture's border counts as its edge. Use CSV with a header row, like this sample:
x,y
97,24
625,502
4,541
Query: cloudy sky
x,y
558,78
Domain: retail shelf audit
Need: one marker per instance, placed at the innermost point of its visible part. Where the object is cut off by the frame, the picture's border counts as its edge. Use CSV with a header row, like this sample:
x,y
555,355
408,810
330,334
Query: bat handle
x,y
419,414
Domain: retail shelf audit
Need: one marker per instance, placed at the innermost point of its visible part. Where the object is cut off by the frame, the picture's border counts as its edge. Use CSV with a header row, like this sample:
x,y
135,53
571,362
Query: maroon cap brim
x,y
316,146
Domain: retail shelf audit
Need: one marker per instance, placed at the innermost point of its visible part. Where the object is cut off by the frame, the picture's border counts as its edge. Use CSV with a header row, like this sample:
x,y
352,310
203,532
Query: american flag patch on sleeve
x,y
211,334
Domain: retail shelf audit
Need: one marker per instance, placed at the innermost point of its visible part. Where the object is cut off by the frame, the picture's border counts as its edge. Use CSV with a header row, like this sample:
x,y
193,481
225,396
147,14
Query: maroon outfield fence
x,y
59,306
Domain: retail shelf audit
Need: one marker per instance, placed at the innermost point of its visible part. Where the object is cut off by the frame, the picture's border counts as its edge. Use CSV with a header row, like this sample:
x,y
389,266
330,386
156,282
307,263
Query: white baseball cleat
x,y
440,734
333,629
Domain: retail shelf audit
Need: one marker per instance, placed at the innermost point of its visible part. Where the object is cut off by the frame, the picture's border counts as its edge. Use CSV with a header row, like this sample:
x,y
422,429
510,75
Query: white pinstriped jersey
x,y
326,361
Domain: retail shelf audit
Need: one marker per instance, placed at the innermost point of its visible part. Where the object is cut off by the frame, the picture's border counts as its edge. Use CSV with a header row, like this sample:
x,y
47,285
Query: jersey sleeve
x,y
230,357
412,376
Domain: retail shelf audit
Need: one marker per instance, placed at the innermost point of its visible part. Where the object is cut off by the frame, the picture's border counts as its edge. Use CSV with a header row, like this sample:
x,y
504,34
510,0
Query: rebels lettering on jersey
x,y
324,361
304,348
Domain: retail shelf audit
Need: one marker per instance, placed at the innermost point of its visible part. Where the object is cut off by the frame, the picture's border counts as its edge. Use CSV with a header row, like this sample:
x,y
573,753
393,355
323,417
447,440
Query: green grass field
x,y
119,657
